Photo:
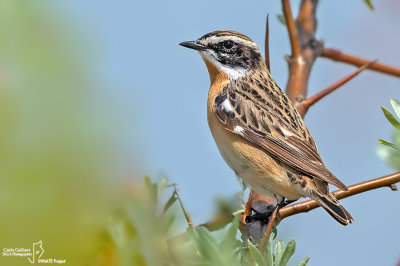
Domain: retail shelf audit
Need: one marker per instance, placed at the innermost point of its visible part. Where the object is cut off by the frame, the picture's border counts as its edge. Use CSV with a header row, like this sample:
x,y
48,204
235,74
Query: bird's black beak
x,y
193,45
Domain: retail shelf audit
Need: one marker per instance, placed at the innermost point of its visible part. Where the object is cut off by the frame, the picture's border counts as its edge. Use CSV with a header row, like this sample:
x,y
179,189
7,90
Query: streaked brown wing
x,y
246,116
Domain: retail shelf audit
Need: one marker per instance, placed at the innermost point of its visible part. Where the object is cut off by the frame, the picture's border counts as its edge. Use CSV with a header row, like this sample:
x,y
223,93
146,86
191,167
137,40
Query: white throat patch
x,y
231,72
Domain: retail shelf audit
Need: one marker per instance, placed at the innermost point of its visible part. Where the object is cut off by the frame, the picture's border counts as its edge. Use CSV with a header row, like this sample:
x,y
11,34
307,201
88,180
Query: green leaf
x,y
304,262
168,221
256,255
270,253
396,106
279,248
148,182
389,144
281,19
288,253
230,235
207,244
162,185
274,232
192,234
205,234
200,244
369,4
170,201
152,188
391,118
154,192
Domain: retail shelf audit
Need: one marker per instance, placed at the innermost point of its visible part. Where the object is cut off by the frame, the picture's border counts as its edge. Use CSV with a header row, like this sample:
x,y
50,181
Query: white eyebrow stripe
x,y
215,39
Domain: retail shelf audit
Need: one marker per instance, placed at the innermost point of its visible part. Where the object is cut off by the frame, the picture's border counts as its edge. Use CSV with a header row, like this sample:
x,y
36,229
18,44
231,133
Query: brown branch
x,y
385,181
306,206
300,63
267,61
269,227
291,26
337,55
303,106
187,216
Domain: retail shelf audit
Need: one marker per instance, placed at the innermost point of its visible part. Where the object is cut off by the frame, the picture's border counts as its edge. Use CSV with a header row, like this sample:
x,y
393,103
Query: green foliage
x,y
390,151
304,262
256,254
369,4
57,180
140,232
281,19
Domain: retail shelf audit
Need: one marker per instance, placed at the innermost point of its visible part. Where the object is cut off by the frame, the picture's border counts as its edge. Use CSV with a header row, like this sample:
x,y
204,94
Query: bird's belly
x,y
255,167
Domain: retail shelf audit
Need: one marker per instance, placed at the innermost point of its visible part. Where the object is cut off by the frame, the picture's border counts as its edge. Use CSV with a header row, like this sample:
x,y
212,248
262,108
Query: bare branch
x,y
303,106
269,227
187,216
291,26
300,65
337,55
385,181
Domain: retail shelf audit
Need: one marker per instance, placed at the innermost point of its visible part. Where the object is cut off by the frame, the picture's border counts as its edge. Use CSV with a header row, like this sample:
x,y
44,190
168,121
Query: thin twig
x,y
271,223
305,104
267,60
291,26
187,216
337,55
305,206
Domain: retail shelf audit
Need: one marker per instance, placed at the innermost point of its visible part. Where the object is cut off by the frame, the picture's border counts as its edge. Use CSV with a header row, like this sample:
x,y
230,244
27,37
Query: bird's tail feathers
x,y
333,207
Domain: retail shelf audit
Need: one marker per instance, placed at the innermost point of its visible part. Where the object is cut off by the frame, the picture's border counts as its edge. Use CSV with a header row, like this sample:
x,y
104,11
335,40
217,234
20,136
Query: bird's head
x,y
230,52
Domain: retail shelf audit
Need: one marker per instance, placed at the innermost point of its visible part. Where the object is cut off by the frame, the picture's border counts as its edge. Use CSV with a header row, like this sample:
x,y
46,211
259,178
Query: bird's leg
x,y
247,209
264,216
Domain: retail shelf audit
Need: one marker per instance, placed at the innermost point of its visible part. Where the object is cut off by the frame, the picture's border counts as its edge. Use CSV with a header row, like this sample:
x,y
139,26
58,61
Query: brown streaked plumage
x,y
257,129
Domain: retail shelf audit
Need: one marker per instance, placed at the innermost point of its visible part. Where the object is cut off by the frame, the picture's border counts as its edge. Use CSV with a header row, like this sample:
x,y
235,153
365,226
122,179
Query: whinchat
x,y
258,130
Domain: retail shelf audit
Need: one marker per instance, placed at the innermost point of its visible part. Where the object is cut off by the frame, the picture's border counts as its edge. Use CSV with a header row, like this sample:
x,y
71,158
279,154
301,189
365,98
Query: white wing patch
x,y
226,106
238,130
286,132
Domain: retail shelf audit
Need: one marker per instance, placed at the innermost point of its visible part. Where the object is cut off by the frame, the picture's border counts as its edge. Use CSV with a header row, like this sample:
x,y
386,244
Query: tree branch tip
x,y
266,52
337,55
187,216
291,26
370,63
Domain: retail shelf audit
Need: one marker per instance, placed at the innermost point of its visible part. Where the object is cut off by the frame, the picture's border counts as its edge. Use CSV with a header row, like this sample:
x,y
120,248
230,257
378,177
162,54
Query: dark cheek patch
x,y
240,56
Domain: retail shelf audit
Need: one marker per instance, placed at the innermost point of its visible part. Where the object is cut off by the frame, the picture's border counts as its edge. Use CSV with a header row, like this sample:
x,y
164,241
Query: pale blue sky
x,y
163,88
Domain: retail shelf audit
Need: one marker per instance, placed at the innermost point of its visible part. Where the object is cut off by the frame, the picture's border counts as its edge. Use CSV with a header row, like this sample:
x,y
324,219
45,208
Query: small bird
x,y
258,130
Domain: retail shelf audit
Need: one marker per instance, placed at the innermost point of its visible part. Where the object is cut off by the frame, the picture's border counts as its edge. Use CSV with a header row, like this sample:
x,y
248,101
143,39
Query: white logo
x,y
34,255
37,251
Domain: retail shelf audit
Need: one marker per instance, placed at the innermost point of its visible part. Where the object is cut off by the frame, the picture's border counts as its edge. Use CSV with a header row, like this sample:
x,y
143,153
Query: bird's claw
x,y
260,216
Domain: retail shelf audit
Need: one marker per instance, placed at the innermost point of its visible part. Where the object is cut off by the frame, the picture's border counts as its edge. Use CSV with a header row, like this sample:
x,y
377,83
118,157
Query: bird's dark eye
x,y
228,44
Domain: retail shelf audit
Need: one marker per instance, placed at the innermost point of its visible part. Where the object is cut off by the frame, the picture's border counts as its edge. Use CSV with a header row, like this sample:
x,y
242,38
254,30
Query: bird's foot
x,y
264,216
260,216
